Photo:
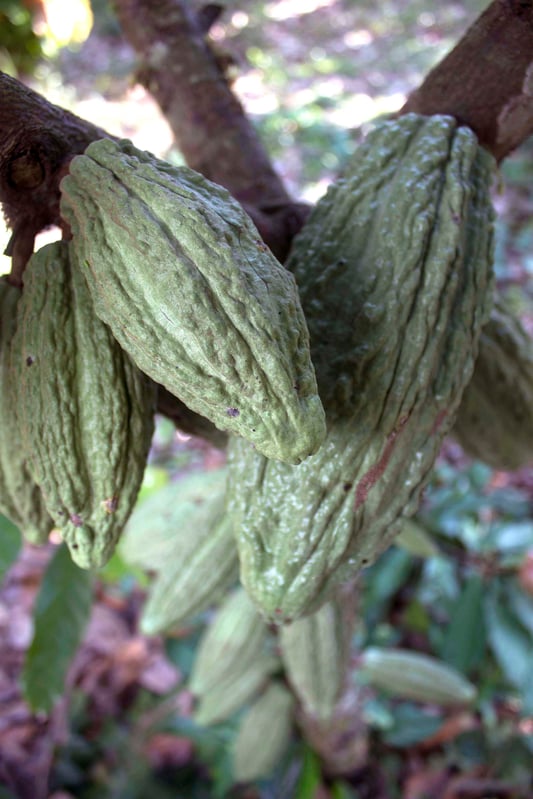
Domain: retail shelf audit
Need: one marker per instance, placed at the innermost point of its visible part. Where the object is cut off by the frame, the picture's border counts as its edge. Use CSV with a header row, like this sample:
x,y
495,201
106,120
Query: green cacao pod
x,y
236,637
411,675
263,735
20,496
206,566
395,274
230,694
163,525
314,651
179,273
85,411
495,418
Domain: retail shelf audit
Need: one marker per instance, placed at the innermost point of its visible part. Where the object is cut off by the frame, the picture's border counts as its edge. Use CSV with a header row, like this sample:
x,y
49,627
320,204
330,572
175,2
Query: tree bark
x,y
486,82
37,142
182,72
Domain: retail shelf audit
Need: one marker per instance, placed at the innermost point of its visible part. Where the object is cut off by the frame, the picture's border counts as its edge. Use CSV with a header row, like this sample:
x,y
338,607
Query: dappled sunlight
x,y
358,38
45,237
136,116
239,20
65,23
354,111
286,9
5,262
256,97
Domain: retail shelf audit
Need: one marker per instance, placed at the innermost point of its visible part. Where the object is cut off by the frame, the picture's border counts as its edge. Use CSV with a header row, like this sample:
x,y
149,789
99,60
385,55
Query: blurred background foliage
x,y
312,74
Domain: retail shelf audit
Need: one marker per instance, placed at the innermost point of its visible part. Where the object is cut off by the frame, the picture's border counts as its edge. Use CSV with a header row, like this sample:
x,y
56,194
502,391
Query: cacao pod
x,y
235,637
314,651
172,519
411,675
179,273
84,410
263,735
395,274
230,694
495,418
207,566
20,497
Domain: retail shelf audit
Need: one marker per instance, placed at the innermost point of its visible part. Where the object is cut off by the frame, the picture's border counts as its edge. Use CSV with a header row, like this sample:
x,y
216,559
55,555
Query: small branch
x,y
486,82
182,72
37,141
188,421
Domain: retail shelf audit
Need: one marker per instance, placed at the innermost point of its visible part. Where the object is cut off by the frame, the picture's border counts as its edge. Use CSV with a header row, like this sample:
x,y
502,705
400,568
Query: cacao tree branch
x,y
486,81
37,141
182,72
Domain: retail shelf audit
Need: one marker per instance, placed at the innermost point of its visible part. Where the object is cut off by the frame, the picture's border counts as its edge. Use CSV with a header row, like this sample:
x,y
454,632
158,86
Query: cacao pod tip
x,y
293,443
148,625
412,675
88,549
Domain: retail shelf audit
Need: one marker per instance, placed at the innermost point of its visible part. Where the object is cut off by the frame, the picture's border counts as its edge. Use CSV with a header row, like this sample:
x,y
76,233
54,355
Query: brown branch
x,y
37,141
214,134
189,421
486,82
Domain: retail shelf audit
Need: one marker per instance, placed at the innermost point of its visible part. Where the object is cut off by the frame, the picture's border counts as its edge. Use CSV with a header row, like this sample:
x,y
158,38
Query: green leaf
x,y
510,538
341,790
310,777
10,545
214,746
61,613
510,642
383,579
119,573
416,540
465,641
182,651
521,605
439,584
377,711
411,725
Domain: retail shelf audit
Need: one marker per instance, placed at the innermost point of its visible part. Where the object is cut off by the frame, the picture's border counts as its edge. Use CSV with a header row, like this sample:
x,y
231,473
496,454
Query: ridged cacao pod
x,y
263,735
411,675
229,695
207,566
395,274
165,525
235,637
21,499
84,410
495,419
314,652
179,273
